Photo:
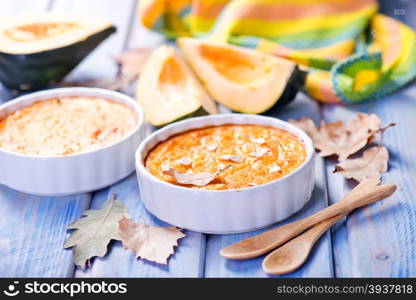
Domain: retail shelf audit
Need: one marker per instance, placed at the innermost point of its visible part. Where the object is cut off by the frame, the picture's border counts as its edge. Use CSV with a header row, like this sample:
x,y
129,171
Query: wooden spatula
x,y
294,253
368,191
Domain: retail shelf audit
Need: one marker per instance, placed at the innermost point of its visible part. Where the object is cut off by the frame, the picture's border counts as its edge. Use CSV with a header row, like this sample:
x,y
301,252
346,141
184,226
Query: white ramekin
x,y
76,173
227,211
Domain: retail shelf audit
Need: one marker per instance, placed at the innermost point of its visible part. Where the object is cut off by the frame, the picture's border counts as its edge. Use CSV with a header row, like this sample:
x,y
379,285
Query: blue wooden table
x,y
379,240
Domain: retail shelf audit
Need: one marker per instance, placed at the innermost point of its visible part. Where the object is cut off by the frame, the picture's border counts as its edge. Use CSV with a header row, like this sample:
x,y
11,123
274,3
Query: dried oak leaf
x,y
337,139
197,179
95,230
372,162
152,243
132,61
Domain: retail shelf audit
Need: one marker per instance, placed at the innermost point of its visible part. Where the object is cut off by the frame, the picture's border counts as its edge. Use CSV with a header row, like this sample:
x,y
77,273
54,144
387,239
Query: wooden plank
x,y
188,261
32,233
380,240
32,229
320,262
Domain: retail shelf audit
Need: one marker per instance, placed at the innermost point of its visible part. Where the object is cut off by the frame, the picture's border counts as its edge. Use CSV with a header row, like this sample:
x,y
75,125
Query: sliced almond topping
x,y
259,141
251,184
212,147
260,152
229,157
274,168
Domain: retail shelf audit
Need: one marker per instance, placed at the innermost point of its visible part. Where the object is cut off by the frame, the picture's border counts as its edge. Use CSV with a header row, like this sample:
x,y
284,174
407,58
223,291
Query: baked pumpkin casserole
x,y
65,126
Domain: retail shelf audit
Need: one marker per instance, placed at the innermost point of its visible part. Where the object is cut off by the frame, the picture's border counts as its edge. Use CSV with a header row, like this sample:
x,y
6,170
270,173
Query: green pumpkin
x,y
39,50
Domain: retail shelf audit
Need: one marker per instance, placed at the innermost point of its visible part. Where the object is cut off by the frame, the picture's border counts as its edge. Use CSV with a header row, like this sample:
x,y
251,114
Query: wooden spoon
x,y
294,253
365,193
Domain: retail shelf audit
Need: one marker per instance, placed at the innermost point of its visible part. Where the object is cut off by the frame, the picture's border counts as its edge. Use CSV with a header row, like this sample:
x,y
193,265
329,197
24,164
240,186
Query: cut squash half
x,y
168,91
244,80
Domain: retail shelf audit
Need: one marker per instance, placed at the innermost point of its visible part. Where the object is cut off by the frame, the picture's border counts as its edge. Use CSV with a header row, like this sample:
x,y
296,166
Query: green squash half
x,y
244,80
38,50
168,91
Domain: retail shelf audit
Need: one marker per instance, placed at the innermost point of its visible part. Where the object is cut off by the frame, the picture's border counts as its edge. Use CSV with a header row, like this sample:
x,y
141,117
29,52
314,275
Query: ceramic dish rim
x,y
299,133
77,91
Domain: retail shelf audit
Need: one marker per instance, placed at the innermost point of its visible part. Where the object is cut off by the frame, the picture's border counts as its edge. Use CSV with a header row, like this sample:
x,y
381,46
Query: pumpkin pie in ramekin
x,y
68,140
225,173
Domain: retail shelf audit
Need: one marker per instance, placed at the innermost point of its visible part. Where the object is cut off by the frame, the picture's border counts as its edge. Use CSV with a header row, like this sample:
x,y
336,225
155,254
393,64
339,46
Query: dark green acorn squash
x,y
244,80
39,50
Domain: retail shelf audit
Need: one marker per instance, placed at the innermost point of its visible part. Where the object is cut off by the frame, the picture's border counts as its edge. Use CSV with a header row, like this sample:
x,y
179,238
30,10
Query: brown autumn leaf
x,y
152,243
132,61
372,162
342,140
95,230
197,179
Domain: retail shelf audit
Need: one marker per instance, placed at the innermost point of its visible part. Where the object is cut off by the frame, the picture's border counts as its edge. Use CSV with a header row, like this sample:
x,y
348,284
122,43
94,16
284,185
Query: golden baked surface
x,y
64,126
258,154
